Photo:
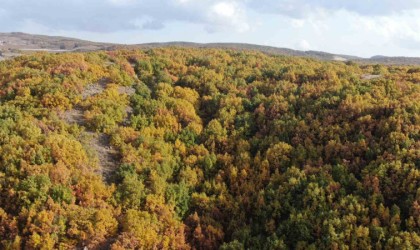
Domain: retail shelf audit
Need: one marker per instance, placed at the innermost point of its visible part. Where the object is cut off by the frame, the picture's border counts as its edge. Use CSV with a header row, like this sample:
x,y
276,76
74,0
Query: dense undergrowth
x,y
216,149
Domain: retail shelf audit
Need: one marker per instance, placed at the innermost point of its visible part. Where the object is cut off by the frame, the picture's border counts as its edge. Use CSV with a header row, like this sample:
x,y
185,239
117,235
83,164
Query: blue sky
x,y
356,27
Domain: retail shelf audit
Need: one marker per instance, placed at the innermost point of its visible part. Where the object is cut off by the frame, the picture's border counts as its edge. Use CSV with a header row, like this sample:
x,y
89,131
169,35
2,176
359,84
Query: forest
x,y
175,148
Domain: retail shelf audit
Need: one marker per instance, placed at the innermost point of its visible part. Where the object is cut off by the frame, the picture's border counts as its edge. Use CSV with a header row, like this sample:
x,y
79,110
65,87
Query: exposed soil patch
x,y
99,87
126,90
370,77
74,116
129,112
108,157
94,89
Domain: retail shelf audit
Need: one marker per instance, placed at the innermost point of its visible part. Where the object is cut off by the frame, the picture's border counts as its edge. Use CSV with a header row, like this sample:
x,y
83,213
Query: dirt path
x,y
94,89
74,116
107,155
370,77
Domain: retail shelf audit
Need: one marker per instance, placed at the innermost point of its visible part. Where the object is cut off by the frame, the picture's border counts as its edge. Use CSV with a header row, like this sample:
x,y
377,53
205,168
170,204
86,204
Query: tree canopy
x,y
207,148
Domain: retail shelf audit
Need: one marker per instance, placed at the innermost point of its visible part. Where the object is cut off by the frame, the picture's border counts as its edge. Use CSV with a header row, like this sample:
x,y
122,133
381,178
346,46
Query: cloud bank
x,y
116,15
295,23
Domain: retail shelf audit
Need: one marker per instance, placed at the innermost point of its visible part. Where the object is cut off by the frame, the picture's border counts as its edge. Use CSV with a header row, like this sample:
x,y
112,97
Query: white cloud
x,y
400,29
345,26
297,23
224,9
122,2
148,23
183,1
301,8
303,45
121,15
227,15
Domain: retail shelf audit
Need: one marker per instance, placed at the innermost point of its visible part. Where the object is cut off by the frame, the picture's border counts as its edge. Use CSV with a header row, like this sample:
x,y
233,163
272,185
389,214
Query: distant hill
x,y
244,46
15,43
23,41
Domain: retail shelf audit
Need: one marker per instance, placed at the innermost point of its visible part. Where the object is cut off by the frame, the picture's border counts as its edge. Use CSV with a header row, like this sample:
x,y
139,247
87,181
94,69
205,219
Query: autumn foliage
x,y
213,149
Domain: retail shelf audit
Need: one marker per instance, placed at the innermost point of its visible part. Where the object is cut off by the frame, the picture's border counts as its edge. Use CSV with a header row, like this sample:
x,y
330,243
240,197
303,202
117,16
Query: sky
x,y
354,27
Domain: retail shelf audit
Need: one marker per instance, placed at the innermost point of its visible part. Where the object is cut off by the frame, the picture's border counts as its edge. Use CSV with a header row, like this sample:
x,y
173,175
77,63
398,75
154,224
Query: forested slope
x,y
205,149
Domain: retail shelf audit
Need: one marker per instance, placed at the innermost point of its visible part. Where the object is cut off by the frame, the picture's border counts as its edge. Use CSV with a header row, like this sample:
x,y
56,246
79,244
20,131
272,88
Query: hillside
x,y
18,40
13,44
207,149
